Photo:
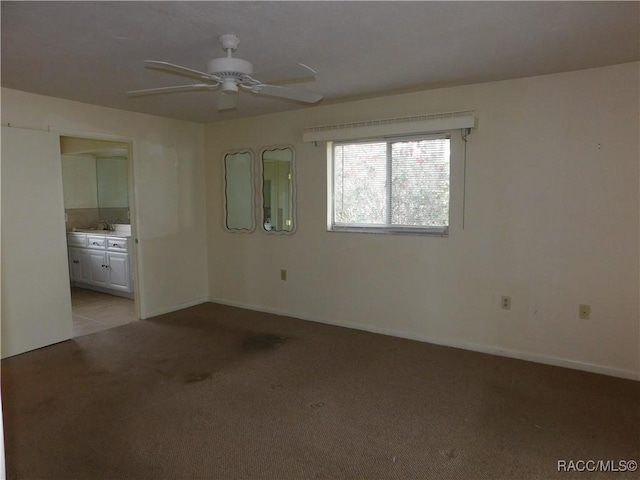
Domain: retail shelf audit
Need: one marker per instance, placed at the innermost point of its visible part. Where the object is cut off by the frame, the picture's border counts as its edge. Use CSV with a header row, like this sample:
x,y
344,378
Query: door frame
x,y
132,149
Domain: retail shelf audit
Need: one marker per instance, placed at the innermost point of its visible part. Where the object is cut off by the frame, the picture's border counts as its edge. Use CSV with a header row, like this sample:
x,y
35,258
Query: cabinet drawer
x,y
96,242
76,240
117,244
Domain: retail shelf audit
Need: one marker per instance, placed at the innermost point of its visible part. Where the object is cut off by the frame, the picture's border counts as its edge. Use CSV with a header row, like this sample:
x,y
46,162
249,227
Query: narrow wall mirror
x,y
278,190
238,192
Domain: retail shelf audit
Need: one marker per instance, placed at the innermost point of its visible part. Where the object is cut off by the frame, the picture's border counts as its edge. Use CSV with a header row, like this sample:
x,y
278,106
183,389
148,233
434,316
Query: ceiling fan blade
x,y
288,93
179,70
178,88
296,73
227,101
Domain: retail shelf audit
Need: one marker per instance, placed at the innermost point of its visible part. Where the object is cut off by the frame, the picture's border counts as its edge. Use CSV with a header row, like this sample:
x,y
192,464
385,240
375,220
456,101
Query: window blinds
x,y
402,183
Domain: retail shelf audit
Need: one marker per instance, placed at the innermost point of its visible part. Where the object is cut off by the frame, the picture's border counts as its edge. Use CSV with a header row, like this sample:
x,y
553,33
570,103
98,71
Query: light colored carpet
x,y
216,392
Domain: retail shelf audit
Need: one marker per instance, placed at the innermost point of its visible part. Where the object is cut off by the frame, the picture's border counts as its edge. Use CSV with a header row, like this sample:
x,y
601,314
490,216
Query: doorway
x,y
97,187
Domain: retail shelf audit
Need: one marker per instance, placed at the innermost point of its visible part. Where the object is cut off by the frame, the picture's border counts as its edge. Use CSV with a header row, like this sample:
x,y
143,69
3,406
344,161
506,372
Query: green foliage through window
x,y
392,184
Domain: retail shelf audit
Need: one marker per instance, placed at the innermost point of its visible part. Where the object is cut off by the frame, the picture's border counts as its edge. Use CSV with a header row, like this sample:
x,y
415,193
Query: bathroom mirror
x,y
238,192
278,190
112,182
95,182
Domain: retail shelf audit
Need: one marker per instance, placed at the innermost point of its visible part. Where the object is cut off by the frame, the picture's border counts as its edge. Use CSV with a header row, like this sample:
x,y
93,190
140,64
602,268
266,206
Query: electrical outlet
x,y
505,303
283,275
584,312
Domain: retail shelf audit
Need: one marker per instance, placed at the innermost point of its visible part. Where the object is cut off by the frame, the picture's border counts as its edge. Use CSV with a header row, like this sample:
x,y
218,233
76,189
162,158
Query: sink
x,y
122,229
106,233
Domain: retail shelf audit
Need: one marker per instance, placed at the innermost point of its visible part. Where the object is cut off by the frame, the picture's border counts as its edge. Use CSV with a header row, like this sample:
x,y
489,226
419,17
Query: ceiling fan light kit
x,y
230,74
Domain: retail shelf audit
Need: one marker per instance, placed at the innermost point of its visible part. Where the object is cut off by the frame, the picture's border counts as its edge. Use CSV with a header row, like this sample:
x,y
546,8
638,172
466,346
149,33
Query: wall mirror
x,y
238,192
112,182
95,178
95,182
278,190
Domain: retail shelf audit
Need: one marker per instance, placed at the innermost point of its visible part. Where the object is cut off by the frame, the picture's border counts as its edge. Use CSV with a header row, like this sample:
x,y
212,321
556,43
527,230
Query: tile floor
x,y
95,311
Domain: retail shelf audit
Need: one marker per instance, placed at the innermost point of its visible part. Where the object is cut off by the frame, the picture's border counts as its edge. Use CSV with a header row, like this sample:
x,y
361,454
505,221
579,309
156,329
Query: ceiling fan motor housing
x,y
219,66
230,70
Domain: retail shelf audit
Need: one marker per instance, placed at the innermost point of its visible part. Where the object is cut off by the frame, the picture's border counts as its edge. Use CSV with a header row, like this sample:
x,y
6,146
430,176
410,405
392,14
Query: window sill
x,y
395,230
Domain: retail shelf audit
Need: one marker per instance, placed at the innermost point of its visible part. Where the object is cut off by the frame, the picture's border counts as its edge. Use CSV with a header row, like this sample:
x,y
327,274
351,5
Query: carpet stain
x,y
451,453
196,377
317,405
261,342
162,373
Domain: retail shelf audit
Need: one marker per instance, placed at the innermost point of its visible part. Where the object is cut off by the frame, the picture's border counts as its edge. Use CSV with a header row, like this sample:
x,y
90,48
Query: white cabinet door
x,y
119,276
85,266
98,271
75,267
79,265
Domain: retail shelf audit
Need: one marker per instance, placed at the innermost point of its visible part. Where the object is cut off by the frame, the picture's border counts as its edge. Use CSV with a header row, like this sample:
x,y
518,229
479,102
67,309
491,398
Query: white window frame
x,y
386,228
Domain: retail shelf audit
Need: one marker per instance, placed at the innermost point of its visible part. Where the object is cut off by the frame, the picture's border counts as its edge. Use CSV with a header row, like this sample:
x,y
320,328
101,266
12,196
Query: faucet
x,y
106,225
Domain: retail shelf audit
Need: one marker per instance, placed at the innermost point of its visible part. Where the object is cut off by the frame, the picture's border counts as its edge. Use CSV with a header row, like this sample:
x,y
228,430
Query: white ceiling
x,y
93,52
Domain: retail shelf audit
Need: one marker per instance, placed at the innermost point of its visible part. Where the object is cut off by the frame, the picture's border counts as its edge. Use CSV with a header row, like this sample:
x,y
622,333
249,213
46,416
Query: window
x,y
391,185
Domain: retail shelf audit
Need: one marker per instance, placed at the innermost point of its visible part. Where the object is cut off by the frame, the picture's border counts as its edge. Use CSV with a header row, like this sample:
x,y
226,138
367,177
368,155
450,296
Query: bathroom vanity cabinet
x,y
100,262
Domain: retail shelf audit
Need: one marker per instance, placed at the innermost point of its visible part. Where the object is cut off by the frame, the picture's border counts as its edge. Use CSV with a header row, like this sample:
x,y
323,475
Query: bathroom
x,y
95,176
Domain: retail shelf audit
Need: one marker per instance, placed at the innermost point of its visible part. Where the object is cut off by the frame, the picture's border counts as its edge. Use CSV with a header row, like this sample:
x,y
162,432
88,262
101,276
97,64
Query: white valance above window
x,y
431,123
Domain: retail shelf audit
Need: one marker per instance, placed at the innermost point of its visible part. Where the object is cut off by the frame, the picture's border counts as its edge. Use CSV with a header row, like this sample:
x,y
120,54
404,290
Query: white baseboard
x,y
108,291
175,308
490,349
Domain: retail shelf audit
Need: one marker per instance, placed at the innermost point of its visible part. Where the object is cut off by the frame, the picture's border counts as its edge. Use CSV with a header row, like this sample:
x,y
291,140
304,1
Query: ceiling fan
x,y
230,75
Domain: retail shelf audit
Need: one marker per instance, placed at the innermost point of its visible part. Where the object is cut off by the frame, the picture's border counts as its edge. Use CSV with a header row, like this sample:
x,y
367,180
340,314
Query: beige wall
x,y
552,209
168,168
